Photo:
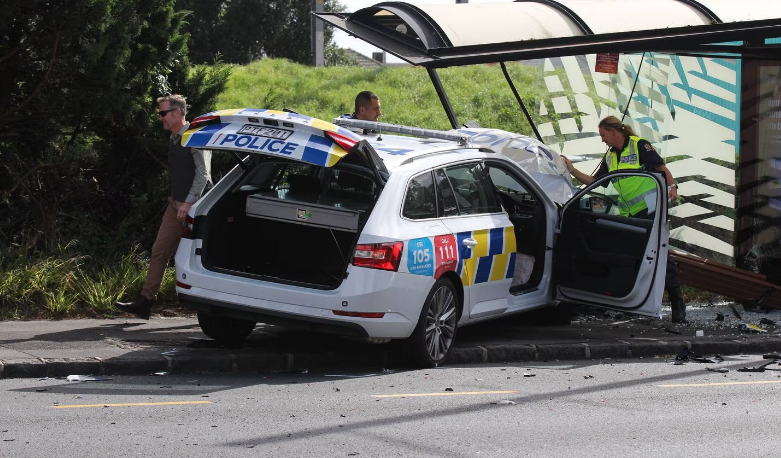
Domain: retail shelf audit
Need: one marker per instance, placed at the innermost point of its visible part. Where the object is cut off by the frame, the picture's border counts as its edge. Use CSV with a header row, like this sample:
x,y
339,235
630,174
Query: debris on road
x,y
86,378
748,327
721,370
774,359
687,355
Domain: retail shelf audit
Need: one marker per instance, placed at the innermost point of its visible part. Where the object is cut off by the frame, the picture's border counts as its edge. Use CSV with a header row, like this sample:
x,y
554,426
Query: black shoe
x,y
141,307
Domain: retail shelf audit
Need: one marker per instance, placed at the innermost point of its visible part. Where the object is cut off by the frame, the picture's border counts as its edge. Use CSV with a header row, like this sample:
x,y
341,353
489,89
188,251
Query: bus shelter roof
x,y
438,36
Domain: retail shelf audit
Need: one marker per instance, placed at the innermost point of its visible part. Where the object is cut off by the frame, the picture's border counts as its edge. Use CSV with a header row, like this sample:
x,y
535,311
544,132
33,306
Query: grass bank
x,y
477,93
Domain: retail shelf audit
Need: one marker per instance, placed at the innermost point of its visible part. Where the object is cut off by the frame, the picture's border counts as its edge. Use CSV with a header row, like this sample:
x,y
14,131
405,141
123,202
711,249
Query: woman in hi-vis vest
x,y
627,151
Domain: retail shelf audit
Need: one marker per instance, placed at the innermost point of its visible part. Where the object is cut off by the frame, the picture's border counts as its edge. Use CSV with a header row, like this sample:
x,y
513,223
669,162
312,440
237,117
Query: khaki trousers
x,y
167,241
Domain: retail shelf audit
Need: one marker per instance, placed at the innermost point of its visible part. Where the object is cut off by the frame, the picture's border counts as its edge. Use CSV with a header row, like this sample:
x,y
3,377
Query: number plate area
x,y
262,131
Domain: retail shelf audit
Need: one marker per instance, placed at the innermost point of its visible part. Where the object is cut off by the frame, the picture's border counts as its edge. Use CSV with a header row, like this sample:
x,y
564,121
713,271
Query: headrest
x,y
303,184
351,180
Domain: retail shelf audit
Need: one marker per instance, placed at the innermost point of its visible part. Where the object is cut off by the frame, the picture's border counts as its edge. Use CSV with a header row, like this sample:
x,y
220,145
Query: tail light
x,y
384,256
204,120
188,229
344,141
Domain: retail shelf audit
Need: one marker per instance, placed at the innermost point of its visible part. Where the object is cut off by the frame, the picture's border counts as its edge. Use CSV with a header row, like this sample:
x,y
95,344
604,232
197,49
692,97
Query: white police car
x,y
402,233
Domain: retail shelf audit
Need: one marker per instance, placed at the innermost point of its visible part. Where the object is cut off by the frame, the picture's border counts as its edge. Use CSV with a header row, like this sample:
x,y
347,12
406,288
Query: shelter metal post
x,y
318,37
451,114
520,101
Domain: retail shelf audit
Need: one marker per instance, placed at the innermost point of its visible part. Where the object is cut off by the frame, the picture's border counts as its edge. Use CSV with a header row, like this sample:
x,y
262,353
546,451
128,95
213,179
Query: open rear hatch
x,y
295,213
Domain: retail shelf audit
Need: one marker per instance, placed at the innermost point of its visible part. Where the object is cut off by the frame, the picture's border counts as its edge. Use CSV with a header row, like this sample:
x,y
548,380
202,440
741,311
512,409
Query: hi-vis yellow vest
x,y
632,191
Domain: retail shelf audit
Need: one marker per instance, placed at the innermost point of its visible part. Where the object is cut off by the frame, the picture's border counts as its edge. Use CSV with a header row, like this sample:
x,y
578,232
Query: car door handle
x,y
469,242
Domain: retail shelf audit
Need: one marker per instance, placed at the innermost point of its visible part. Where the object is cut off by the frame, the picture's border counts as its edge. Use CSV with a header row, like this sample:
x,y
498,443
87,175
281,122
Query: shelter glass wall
x,y
687,107
693,111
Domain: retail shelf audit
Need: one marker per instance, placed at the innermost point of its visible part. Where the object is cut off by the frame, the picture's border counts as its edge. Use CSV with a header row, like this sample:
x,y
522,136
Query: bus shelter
x,y
700,79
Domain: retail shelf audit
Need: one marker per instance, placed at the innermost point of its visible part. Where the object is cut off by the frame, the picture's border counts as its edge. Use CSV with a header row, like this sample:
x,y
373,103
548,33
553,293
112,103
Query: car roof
x,y
299,137
397,151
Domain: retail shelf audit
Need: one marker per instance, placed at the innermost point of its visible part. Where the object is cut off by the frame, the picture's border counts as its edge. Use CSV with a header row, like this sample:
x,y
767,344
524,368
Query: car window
x,y
420,198
514,196
607,200
473,190
503,181
352,189
446,195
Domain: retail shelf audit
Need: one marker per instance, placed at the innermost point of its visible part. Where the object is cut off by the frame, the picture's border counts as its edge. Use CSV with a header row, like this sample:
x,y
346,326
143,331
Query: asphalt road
x,y
616,408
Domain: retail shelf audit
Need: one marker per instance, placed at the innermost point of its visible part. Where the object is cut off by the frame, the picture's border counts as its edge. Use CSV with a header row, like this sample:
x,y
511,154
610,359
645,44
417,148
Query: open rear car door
x,y
604,259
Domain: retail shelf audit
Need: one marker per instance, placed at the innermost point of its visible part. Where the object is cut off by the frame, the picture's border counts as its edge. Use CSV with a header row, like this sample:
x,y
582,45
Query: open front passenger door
x,y
604,259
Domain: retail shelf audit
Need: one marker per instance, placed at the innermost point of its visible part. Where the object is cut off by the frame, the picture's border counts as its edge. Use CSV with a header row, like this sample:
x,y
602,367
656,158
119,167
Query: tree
x,y
244,30
80,151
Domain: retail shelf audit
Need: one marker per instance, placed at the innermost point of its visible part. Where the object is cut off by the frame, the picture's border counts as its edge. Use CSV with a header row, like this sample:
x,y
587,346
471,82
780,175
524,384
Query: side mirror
x,y
598,204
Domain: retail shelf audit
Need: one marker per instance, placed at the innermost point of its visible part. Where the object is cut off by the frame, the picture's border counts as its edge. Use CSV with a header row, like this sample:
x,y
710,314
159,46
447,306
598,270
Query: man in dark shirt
x,y
367,107
190,173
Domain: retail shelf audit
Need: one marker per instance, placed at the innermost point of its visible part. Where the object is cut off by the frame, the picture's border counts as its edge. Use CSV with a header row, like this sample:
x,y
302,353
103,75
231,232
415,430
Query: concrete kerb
x,y
763,345
255,362
24,368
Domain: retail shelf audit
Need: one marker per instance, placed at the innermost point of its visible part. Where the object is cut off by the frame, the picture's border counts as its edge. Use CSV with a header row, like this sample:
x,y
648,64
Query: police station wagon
x,y
387,232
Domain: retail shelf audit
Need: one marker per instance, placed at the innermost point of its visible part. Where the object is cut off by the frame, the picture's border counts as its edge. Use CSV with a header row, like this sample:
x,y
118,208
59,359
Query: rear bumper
x,y
399,296
233,310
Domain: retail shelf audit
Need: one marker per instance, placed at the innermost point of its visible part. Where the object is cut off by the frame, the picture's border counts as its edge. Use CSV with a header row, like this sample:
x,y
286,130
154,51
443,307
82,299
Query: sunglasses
x,y
163,113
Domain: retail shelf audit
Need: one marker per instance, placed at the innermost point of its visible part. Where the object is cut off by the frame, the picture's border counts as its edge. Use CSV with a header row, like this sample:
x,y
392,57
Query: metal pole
x,y
520,101
318,37
451,114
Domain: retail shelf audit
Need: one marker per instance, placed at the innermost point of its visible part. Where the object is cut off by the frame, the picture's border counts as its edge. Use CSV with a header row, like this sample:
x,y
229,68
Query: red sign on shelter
x,y
607,62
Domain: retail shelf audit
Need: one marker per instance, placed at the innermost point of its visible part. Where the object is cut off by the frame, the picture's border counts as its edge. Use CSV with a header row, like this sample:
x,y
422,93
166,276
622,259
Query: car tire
x,y
225,329
435,333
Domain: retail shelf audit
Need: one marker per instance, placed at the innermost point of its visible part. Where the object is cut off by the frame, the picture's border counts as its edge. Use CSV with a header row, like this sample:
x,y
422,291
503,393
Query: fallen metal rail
x,y
749,288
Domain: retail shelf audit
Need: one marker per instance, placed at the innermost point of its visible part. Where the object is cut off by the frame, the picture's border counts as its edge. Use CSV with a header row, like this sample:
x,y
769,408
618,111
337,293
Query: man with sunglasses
x,y
190,174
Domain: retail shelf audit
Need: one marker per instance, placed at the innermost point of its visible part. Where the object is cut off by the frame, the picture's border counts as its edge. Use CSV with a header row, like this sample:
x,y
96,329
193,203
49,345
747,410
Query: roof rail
x,y
381,127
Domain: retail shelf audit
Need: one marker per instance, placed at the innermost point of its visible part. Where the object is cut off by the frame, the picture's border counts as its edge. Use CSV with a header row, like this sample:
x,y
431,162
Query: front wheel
x,y
225,329
433,337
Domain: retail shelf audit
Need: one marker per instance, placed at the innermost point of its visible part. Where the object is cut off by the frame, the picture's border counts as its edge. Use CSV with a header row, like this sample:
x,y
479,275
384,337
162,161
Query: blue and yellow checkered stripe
x,y
492,259
322,151
200,137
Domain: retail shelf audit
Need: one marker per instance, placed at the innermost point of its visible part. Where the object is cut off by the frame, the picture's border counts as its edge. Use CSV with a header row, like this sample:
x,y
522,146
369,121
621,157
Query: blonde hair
x,y
613,123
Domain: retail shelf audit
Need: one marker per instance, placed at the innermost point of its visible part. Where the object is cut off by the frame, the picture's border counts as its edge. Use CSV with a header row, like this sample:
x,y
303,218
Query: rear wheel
x,y
225,329
433,337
